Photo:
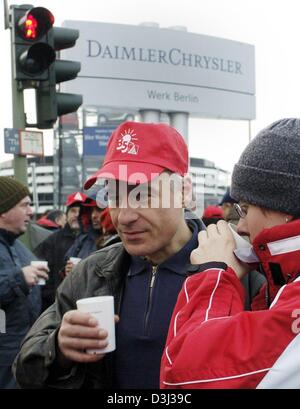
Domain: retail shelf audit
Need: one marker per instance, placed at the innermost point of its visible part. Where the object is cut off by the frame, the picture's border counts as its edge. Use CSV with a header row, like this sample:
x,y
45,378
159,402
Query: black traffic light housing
x,y
35,65
32,54
50,103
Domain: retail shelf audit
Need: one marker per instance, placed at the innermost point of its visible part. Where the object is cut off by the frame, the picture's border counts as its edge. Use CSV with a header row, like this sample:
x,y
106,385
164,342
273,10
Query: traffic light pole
x,y
19,122
20,162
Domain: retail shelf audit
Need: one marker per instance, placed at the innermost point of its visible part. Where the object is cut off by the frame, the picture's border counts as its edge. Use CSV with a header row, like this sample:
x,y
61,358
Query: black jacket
x,y
84,245
102,273
53,249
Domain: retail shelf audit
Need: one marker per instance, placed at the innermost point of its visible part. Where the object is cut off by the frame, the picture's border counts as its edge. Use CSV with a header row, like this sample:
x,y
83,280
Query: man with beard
x,y
54,248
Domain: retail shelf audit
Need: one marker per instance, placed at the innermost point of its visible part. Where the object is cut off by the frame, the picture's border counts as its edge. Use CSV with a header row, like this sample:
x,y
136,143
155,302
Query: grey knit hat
x,y
11,192
268,171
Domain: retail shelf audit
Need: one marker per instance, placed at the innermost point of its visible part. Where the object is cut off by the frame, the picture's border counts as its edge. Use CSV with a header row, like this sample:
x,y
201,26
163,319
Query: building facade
x,y
209,183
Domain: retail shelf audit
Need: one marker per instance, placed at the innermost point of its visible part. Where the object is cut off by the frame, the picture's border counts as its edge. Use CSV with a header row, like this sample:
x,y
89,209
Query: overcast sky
x,y
271,26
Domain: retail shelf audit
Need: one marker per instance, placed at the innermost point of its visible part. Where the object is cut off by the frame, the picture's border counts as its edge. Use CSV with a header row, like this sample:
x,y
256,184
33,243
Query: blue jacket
x,y
21,305
84,244
148,299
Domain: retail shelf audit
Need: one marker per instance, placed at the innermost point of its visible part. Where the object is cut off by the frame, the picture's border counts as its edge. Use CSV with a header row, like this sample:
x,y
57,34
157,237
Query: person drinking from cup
x,y
212,342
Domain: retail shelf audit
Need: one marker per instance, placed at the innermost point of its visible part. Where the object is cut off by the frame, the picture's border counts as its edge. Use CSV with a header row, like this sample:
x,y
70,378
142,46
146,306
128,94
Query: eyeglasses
x,y
241,211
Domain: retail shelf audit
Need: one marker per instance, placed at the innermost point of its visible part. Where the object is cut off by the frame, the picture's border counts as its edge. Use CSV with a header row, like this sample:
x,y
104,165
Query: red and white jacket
x,y
213,343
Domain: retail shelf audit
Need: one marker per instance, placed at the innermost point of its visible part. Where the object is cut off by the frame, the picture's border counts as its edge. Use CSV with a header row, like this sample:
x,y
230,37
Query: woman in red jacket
x,y
212,342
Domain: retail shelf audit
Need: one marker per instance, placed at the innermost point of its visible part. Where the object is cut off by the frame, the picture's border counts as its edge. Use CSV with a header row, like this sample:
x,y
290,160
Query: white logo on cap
x,y
78,196
126,144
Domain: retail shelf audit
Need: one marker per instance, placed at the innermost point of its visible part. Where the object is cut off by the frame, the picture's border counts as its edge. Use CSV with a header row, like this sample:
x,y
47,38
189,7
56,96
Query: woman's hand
x,y
217,244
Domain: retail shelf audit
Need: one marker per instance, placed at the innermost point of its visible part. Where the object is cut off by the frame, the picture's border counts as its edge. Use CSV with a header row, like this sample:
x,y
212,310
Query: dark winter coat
x,y
84,245
53,249
21,305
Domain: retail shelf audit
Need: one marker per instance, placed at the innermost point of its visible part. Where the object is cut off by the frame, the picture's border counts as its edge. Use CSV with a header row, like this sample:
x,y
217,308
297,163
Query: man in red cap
x,y
147,191
55,246
86,242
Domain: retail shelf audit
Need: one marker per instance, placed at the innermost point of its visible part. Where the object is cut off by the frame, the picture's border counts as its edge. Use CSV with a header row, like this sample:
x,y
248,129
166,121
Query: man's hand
x,y
32,274
217,244
80,331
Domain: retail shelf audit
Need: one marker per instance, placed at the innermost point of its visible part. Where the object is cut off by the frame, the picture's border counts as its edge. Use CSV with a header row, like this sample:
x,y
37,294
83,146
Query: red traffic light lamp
x,y
35,23
30,28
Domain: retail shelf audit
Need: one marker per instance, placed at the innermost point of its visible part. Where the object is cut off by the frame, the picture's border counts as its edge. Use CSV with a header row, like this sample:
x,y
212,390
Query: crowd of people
x,y
191,311
21,298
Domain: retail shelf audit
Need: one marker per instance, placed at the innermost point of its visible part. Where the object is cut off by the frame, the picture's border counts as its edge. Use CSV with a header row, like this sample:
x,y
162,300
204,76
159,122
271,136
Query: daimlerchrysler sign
x,y
141,67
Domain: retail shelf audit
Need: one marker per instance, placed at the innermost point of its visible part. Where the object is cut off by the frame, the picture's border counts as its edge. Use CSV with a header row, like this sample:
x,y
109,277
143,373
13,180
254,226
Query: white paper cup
x,y
42,281
244,250
239,240
102,308
75,260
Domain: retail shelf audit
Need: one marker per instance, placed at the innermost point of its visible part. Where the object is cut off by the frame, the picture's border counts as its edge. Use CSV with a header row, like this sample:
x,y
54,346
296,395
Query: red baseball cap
x,y
140,151
76,198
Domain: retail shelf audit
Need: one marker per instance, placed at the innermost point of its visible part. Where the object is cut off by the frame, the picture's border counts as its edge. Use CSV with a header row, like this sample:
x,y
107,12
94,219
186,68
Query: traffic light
x,y
31,53
35,64
50,103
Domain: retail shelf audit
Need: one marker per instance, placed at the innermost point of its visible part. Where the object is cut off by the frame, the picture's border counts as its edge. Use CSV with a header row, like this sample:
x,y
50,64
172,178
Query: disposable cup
x,y
75,260
239,240
42,281
244,250
101,308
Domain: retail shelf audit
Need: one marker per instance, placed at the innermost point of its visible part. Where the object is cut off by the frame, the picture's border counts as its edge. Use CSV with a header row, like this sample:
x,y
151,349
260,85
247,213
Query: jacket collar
x,y
278,250
8,236
108,264
177,263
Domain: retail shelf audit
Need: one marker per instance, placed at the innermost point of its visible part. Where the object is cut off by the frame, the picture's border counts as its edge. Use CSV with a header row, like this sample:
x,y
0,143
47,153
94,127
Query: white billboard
x,y
138,67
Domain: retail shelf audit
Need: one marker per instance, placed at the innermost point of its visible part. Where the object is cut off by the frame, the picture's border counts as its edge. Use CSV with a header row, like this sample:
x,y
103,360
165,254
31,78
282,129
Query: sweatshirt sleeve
x,y
213,343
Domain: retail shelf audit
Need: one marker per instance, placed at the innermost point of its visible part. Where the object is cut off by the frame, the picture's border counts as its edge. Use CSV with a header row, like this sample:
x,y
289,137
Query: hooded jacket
x,y
213,343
